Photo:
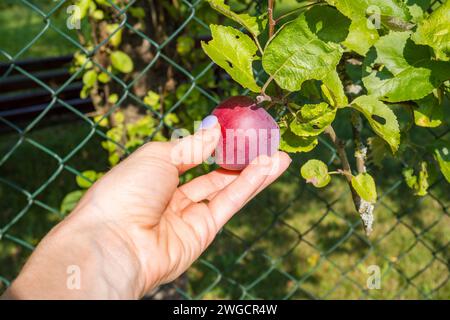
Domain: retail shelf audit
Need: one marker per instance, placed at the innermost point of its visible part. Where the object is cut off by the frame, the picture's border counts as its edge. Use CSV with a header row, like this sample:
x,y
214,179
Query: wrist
x,y
79,260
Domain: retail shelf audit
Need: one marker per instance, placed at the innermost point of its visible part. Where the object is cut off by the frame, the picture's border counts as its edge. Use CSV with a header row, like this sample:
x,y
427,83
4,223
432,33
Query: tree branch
x,y
360,148
272,22
340,148
363,207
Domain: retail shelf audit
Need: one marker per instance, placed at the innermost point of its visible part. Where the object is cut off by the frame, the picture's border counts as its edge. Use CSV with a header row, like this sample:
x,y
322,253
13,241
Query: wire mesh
x,y
292,242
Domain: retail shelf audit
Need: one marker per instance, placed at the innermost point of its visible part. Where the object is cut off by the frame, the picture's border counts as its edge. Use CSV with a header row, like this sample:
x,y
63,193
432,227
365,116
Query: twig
x,y
340,147
264,88
363,207
360,148
272,22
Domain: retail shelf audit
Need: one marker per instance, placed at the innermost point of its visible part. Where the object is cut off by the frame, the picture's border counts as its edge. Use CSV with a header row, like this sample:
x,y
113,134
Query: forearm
x,y
70,263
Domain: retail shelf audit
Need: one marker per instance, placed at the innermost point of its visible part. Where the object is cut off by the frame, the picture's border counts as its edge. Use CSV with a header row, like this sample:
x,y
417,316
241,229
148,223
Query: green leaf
x,y
235,52
296,54
292,143
119,118
417,8
89,79
397,65
113,98
170,119
103,77
442,156
252,24
429,112
315,172
378,151
83,6
98,14
387,9
70,201
185,45
152,99
116,38
328,23
361,37
364,186
101,121
113,159
381,118
84,93
137,12
86,179
312,119
410,178
417,183
435,31
121,61
334,90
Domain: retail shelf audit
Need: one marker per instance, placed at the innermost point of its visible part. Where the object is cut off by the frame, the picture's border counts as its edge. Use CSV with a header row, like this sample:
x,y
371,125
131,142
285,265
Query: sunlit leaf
x,y
235,52
296,54
312,119
435,31
315,172
252,24
364,186
70,201
86,179
121,61
399,70
381,118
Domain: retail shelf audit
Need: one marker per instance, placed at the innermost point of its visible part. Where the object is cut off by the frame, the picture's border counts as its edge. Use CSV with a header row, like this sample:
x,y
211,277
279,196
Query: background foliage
x,y
142,64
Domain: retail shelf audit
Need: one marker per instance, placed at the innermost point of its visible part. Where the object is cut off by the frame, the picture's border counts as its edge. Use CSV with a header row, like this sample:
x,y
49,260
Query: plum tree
x,y
248,131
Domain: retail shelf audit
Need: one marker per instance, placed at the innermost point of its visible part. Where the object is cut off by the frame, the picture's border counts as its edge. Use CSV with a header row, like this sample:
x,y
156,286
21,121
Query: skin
x,y
136,228
240,114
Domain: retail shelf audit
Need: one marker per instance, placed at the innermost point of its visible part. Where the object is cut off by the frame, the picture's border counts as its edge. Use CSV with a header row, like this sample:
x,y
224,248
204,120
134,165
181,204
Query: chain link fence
x,y
291,242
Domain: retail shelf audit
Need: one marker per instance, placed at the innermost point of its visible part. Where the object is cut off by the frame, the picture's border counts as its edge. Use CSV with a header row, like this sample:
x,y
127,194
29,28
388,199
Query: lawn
x,y
26,34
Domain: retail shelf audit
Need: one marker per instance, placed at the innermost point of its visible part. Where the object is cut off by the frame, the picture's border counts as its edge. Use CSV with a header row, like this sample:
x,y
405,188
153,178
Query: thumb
x,y
192,150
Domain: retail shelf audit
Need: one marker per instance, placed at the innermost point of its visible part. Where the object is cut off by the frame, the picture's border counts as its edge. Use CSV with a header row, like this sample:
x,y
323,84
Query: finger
x,y
262,171
285,161
194,149
203,187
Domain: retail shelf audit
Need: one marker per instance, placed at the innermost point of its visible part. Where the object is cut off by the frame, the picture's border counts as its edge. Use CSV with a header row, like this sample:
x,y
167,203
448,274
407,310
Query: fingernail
x,y
208,122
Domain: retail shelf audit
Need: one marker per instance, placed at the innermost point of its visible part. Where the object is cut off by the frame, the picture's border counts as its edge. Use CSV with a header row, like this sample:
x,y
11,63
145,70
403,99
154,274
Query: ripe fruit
x,y
247,132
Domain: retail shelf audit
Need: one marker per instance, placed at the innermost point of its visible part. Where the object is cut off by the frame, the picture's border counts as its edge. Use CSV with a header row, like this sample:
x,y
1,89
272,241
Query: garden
x,y
360,91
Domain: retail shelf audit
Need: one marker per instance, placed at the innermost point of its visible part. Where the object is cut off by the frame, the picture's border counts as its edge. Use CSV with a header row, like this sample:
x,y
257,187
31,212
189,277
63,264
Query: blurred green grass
x,y
23,29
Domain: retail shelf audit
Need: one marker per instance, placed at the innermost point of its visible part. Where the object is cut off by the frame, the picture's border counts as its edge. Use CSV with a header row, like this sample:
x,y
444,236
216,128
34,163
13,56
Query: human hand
x,y
136,228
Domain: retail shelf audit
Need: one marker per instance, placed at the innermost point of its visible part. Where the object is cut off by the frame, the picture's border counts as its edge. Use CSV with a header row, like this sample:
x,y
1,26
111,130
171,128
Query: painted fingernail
x,y
208,122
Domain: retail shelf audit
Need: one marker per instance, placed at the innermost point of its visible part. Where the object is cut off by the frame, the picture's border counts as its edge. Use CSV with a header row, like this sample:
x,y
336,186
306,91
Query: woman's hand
x,y
136,228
